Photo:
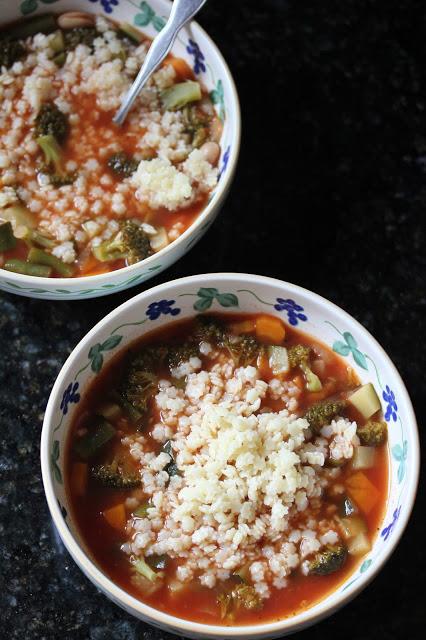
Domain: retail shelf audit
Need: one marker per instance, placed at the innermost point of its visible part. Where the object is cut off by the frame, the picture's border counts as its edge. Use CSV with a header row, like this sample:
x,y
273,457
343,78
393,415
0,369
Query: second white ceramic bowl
x,y
230,293
211,69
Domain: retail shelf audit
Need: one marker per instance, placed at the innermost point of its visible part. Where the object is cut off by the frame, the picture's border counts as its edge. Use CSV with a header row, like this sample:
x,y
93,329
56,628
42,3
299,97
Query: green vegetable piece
x,y
60,59
115,476
51,150
180,94
45,23
298,356
110,411
322,413
98,436
243,573
34,237
7,239
243,349
329,560
142,510
172,469
373,434
57,43
27,269
225,603
167,448
10,52
125,30
242,595
38,256
180,353
79,35
131,243
278,360
145,570
122,164
157,562
51,121
141,387
19,215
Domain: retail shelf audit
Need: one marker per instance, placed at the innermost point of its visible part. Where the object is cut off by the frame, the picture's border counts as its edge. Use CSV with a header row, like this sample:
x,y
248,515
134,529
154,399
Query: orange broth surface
x,y
196,602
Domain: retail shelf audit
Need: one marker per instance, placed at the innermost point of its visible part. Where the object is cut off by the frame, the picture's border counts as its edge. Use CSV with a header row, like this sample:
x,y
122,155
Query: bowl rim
x,y
212,205
159,618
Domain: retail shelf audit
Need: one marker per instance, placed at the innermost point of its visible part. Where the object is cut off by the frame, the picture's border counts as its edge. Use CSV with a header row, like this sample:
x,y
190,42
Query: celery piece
x,y
125,29
360,545
20,216
7,239
103,254
41,257
145,570
27,269
89,444
57,43
180,94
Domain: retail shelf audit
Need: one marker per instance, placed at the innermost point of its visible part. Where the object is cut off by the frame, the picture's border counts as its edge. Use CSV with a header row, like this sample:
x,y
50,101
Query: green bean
x,y
27,269
39,256
7,239
89,444
45,23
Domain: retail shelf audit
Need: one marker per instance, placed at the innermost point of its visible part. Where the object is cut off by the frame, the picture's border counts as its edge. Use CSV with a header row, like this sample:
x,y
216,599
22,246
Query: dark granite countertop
x,y
330,194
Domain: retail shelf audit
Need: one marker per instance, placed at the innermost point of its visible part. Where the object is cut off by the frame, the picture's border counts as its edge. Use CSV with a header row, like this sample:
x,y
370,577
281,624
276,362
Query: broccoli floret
x,y
51,121
331,559
122,165
322,413
181,353
115,476
298,356
150,358
131,243
10,52
243,349
196,124
53,161
373,433
140,386
243,595
79,35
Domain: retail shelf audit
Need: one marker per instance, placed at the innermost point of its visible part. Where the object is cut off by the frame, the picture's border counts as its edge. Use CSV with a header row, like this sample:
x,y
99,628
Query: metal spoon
x,y
182,12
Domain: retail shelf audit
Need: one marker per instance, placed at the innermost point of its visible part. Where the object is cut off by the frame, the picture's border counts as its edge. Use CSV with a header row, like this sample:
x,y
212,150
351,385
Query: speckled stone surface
x,y
330,194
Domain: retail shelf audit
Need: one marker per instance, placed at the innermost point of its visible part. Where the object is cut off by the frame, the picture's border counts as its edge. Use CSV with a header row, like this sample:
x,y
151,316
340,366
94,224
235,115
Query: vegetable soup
x,y
80,195
228,469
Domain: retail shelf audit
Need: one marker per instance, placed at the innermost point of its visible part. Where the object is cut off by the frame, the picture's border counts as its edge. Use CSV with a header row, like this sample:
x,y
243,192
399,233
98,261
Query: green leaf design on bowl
x,y
95,353
207,295
350,345
54,457
146,16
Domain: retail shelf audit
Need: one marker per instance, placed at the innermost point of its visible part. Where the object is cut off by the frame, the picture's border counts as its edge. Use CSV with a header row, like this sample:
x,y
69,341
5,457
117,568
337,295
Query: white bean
x,y
74,19
211,152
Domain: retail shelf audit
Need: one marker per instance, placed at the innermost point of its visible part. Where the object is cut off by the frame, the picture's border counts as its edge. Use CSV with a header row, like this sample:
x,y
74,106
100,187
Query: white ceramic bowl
x,y
213,73
243,293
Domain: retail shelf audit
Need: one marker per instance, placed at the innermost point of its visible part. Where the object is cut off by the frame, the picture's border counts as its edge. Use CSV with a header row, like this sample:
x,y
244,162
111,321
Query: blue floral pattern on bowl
x,y
293,310
108,5
392,407
70,396
199,60
162,307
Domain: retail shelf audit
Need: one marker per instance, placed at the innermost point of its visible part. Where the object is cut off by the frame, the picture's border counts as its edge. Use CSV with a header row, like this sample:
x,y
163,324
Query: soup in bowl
x,y
232,456
81,197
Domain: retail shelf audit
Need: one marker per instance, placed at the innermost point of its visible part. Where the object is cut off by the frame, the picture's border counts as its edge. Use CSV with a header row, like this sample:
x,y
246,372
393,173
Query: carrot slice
x,y
79,474
182,68
362,491
270,329
116,516
245,326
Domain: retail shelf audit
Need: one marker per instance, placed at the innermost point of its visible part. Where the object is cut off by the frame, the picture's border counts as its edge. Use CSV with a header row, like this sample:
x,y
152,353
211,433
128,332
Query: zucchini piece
x,y
89,444
39,256
278,360
7,239
365,400
27,269
19,216
363,457
353,526
180,94
359,546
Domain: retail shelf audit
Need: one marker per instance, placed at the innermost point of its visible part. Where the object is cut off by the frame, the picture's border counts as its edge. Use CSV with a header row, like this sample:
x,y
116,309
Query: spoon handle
x,y
182,11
